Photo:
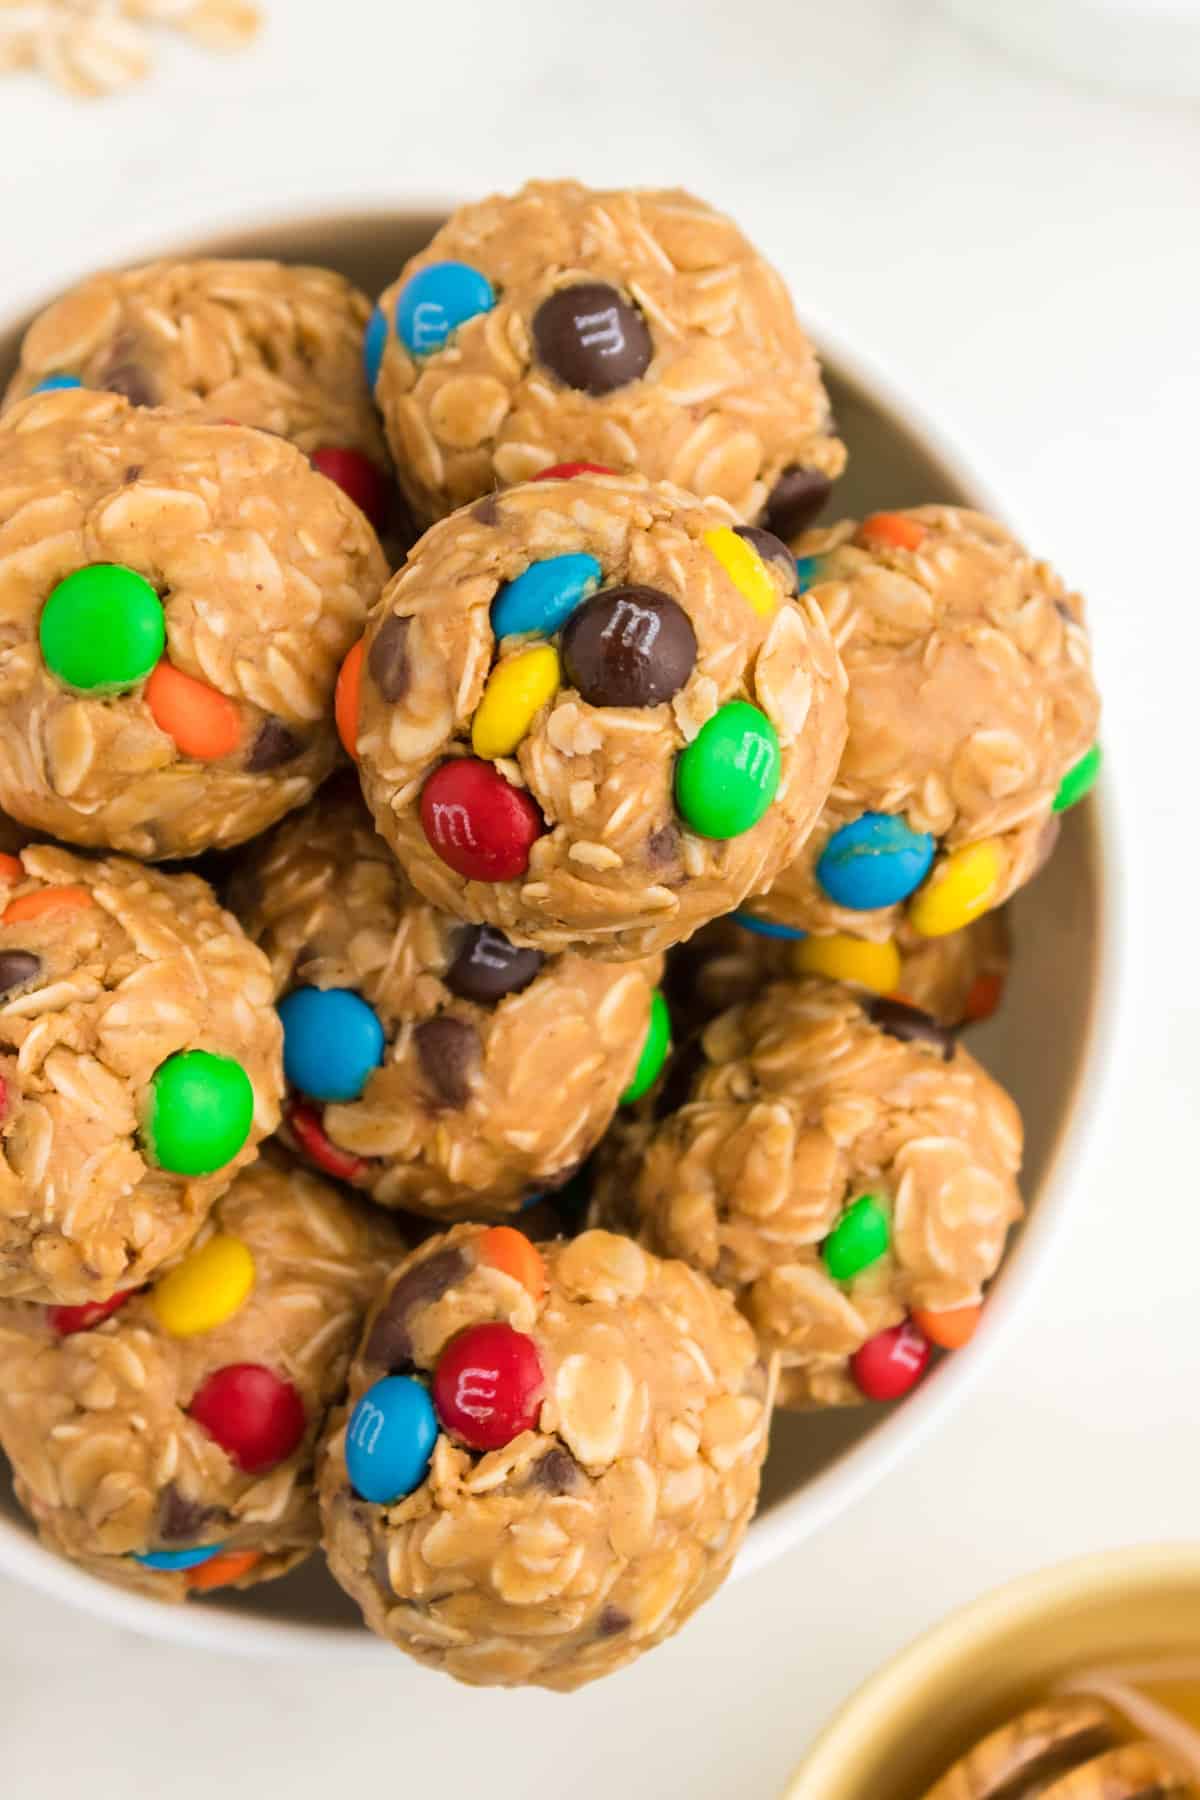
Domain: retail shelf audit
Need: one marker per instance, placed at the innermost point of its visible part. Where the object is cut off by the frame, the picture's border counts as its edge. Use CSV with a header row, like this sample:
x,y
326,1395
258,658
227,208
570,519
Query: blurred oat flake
x,y
90,47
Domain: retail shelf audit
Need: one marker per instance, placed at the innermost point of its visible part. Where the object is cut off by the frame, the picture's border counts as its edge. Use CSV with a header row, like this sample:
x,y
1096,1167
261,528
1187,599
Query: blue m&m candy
x,y
332,1042
875,860
178,1559
437,301
49,384
768,928
808,570
390,1439
374,345
545,596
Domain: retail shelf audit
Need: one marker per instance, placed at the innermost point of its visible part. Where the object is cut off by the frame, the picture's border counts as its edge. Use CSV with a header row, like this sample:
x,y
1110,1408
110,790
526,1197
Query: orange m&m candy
x,y
346,700
892,531
511,1252
948,1330
11,868
203,722
219,1571
46,900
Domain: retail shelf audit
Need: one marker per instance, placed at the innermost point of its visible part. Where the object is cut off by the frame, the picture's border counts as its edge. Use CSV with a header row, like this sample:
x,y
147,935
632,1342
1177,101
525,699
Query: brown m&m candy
x,y
487,966
772,550
628,646
796,499
592,337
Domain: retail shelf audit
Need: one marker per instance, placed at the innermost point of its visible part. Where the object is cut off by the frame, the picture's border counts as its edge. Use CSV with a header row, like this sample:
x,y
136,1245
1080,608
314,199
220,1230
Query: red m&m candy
x,y
309,1133
890,1364
67,1320
564,471
358,477
255,1415
488,1385
479,825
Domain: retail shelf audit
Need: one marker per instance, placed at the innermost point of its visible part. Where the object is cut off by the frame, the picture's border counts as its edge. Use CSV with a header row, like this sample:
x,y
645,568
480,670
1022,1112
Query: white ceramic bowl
x,y
1051,1044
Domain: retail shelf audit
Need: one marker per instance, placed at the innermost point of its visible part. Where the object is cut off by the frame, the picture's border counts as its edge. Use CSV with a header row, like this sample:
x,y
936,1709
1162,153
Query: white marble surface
x,y
1026,256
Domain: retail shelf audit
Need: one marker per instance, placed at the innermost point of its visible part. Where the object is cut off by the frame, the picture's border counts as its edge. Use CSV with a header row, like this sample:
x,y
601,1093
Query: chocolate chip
x,y
628,646
387,658
17,969
592,338
389,1343
795,500
487,966
1064,612
910,1025
274,745
557,1472
447,1050
133,471
611,1621
663,846
181,1518
134,382
486,511
773,550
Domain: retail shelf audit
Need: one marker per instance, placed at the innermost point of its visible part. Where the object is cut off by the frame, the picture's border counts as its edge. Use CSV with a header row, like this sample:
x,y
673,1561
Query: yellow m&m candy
x,y
744,567
845,958
517,690
959,890
206,1288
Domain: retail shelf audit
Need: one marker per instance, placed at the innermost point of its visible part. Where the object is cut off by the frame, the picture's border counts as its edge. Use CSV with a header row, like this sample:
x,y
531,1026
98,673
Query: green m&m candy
x,y
1078,780
654,1050
201,1110
728,775
102,629
860,1237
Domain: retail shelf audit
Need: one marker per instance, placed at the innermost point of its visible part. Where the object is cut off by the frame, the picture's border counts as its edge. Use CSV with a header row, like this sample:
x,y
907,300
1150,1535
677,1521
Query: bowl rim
x,y
979,1622
792,1521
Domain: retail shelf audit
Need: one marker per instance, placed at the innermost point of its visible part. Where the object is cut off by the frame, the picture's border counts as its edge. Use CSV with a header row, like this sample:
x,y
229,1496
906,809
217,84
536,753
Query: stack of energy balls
x,y
568,1071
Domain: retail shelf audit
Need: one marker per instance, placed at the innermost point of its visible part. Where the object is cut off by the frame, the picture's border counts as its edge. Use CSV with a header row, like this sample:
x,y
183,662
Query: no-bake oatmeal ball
x,y
139,1068
549,1456
175,600
261,343
841,1165
433,1063
165,1439
972,716
958,979
635,328
592,713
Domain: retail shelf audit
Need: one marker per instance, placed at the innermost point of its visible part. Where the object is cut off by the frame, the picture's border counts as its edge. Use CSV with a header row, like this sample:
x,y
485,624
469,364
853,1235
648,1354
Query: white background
x,y
1024,255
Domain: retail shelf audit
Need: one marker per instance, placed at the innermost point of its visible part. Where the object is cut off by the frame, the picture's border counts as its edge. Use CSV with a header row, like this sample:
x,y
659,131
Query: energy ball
x,y
633,328
972,723
164,1439
958,979
591,713
139,1068
268,344
432,1063
176,599
845,1169
549,1456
